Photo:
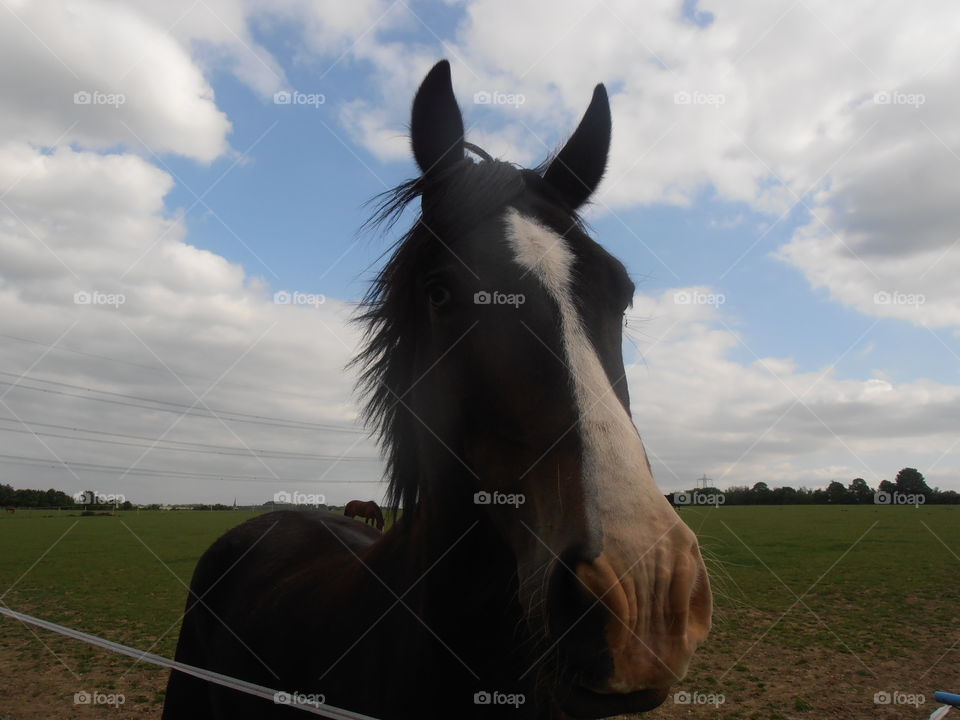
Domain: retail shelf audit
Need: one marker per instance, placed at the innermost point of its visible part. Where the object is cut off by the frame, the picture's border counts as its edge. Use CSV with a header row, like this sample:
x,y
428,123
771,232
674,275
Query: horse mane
x,y
453,201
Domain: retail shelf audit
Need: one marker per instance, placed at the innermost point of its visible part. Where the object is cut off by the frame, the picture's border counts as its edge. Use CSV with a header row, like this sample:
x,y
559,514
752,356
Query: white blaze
x,y
633,510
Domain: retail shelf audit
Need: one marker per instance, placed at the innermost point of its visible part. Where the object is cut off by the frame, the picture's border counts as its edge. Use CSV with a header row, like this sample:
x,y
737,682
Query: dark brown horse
x,y
368,510
11,509
536,570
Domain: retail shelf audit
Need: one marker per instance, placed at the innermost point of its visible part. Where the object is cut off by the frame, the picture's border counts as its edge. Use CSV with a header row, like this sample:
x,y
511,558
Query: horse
x,y
11,509
369,511
536,570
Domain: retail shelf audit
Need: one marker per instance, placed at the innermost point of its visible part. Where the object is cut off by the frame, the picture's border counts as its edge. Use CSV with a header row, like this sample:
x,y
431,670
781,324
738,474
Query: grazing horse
x,y
369,511
11,509
536,570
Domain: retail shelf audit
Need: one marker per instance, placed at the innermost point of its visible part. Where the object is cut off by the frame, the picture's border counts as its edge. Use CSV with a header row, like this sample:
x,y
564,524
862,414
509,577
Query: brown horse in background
x,y
368,510
11,509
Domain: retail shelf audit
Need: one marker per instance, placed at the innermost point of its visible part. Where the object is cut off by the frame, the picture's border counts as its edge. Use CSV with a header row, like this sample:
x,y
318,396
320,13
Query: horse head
x,y
495,337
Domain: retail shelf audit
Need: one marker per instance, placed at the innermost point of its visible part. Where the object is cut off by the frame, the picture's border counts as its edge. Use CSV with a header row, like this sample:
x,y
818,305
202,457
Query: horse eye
x,y
438,295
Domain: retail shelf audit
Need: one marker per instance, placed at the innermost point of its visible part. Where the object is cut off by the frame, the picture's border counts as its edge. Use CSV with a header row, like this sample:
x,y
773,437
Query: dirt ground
x,y
825,676
40,674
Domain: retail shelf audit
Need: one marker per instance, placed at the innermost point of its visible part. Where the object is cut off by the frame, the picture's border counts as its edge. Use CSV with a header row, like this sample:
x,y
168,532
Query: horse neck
x,y
447,546
458,577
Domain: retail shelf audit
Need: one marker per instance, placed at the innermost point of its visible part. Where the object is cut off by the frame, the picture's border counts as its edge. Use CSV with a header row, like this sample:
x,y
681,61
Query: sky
x,y
782,188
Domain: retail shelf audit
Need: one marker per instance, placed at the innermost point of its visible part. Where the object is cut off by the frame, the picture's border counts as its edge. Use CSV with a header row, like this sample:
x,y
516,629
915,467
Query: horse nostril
x,y
630,631
568,599
577,618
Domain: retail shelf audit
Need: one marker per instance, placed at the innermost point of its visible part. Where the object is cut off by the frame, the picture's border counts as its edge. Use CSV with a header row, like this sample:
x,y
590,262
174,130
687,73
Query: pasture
x,y
817,609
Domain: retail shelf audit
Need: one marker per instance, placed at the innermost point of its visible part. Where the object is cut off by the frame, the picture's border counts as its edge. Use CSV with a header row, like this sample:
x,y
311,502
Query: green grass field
x,y
818,607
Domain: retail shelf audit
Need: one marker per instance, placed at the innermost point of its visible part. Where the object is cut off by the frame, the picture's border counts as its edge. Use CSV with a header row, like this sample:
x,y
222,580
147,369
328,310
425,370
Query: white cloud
x,y
217,35
701,411
797,104
178,321
81,222
830,107
141,87
330,27
369,127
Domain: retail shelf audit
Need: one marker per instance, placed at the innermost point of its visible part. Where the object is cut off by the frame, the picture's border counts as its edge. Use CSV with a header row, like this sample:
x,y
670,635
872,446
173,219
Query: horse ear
x,y
436,125
577,169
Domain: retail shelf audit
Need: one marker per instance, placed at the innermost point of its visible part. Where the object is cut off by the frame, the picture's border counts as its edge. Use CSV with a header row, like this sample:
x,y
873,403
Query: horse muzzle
x,y
626,628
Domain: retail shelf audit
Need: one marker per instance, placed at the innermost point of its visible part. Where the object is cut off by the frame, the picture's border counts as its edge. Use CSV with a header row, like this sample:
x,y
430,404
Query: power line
x,y
178,408
31,461
60,347
173,404
245,451
153,444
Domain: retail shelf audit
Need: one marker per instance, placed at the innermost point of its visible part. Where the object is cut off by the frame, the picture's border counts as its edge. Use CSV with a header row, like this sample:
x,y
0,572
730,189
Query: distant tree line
x,y
906,487
46,499
34,498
